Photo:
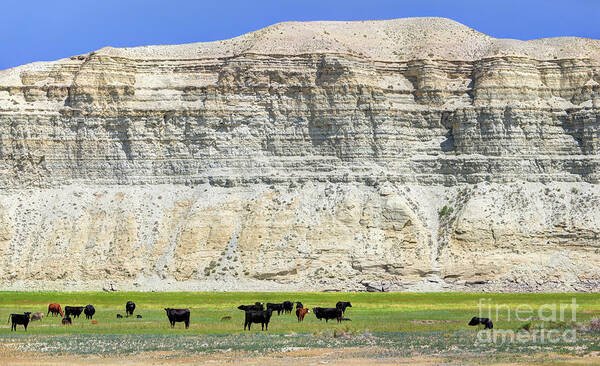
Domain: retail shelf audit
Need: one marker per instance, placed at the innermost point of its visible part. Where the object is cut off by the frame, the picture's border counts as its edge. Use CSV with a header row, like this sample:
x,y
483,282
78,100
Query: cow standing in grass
x,y
342,305
288,306
89,311
178,315
19,319
328,313
262,317
275,307
256,307
486,322
73,310
129,308
300,313
55,309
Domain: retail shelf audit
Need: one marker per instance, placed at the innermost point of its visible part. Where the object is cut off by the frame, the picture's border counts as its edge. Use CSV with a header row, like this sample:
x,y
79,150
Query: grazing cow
x,y
119,316
342,305
66,321
89,311
55,309
299,305
37,316
300,313
262,317
485,321
288,306
328,313
275,307
16,319
139,316
178,315
129,308
94,322
251,307
225,318
73,310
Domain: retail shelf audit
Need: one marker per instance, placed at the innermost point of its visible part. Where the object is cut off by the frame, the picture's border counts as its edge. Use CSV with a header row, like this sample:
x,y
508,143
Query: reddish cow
x,y
301,312
55,309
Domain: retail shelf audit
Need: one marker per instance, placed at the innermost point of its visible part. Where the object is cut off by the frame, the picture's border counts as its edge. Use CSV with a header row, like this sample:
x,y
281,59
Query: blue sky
x,y
35,30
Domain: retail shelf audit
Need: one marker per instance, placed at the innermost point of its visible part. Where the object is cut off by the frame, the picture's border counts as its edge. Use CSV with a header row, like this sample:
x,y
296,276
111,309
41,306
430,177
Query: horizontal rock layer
x,y
173,161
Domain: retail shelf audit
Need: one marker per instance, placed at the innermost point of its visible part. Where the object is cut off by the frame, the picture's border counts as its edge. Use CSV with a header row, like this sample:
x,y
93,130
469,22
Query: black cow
x,y
178,315
138,316
288,306
299,305
22,319
73,310
129,308
262,317
328,313
89,311
275,307
254,307
67,321
485,321
342,305
119,316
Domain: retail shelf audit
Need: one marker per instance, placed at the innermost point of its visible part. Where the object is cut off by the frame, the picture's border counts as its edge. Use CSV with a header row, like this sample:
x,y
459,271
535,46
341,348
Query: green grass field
x,y
375,312
393,324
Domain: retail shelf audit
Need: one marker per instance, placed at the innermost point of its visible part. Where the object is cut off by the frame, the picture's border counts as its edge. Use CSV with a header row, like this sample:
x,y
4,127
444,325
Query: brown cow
x,y
301,312
55,309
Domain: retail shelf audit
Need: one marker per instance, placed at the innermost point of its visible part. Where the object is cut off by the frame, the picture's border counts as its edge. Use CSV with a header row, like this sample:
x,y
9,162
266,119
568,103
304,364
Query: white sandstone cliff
x,y
306,156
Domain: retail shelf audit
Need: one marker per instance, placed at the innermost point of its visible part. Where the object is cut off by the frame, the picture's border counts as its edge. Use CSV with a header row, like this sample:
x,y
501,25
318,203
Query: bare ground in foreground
x,y
319,356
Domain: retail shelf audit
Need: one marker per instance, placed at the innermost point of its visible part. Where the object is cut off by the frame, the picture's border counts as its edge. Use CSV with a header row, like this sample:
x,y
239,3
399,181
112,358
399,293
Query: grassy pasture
x,y
384,326
373,312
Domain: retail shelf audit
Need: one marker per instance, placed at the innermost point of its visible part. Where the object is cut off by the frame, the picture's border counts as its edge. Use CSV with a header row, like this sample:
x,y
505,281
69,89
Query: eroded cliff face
x,y
306,156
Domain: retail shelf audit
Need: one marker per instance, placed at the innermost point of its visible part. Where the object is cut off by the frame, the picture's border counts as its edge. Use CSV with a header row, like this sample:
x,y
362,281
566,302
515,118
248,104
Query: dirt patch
x,y
348,356
336,357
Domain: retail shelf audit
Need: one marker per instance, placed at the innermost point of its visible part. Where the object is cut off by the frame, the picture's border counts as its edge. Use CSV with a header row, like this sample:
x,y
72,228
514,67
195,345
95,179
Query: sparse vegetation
x,y
445,211
526,327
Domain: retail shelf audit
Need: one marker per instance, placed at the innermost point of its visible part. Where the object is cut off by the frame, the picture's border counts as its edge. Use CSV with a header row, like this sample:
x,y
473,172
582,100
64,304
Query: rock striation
x,y
417,153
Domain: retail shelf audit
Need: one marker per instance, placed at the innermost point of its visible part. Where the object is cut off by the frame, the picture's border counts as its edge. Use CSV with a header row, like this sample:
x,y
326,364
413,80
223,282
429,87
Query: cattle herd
x,y
69,313
255,313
